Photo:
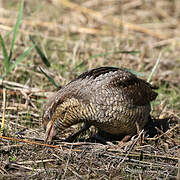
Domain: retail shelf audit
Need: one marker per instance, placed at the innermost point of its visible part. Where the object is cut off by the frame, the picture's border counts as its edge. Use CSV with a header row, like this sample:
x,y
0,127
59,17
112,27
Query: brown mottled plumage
x,y
112,99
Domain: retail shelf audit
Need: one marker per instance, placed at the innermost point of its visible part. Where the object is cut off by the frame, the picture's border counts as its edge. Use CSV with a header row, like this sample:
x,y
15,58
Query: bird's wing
x,y
136,91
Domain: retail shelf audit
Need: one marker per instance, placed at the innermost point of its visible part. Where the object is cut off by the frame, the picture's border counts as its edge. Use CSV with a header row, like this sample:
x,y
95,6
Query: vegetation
x,y
45,44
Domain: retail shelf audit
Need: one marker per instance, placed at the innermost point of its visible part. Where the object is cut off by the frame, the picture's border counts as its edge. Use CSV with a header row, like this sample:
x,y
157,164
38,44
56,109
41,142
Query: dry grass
x,y
75,37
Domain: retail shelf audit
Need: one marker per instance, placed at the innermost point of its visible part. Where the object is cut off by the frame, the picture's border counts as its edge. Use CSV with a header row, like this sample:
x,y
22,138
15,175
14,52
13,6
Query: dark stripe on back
x,y
94,73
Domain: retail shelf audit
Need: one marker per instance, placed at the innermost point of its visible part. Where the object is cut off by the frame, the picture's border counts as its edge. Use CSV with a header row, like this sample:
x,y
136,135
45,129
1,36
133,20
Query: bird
x,y
112,99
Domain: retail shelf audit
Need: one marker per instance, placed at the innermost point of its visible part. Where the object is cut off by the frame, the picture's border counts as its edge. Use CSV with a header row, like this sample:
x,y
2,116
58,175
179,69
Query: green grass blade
x,y
16,29
5,54
129,52
36,9
40,41
80,65
41,54
134,72
49,78
154,68
8,33
20,58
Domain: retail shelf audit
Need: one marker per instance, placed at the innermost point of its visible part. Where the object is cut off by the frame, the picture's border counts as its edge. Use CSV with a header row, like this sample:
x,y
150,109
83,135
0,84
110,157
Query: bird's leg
x,y
100,139
126,138
124,141
72,137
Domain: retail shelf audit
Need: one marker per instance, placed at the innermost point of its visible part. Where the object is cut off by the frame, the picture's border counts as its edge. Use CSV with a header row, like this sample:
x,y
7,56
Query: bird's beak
x,y
50,132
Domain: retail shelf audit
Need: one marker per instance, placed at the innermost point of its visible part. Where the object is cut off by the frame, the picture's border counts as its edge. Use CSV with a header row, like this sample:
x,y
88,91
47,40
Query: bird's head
x,y
58,117
52,120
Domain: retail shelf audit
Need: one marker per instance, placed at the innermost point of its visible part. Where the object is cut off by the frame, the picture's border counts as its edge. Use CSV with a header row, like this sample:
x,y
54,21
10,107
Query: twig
x,y
14,84
154,139
131,148
67,163
24,167
139,162
165,134
166,42
148,155
27,89
132,4
28,100
3,171
80,177
37,161
34,143
4,111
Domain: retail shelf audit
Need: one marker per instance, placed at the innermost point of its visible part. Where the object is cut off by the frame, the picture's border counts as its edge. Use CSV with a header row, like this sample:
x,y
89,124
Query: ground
x,y
76,36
